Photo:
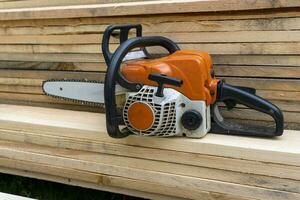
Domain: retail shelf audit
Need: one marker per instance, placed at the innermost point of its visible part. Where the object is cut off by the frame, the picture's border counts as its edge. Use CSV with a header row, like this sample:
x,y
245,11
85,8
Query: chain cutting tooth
x,y
88,103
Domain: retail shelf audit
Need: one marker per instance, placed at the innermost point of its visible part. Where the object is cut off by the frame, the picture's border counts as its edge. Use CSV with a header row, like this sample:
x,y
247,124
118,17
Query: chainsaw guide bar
x,y
76,82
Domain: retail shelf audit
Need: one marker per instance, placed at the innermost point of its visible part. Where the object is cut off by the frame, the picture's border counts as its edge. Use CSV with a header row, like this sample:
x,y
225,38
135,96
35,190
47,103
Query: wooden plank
x,y
33,97
183,182
288,85
236,36
142,8
135,185
21,81
239,113
52,39
85,123
186,170
186,37
215,48
45,3
46,29
268,15
52,66
282,95
287,126
15,75
64,140
200,25
257,71
33,49
188,24
293,106
30,98
274,60
65,177
51,57
21,89
29,65
246,48
75,107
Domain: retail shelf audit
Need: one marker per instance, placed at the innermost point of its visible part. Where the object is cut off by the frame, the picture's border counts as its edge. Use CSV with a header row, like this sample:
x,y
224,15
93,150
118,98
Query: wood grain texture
x,y
227,165
215,48
252,43
171,179
55,118
105,185
144,164
90,180
176,23
190,37
45,3
141,8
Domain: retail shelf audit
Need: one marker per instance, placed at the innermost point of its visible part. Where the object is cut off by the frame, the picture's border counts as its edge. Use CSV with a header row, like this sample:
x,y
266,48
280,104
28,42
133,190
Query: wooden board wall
x,y
250,46
12,4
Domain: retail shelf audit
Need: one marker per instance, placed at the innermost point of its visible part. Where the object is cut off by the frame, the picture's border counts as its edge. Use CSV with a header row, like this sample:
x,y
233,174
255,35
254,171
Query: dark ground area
x,y
44,190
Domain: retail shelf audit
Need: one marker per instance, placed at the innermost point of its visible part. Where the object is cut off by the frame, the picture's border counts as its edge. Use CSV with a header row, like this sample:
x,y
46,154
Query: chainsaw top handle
x,y
124,32
113,76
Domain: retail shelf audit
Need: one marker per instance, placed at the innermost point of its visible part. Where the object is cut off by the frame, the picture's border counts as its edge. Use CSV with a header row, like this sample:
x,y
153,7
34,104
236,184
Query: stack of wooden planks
x,y
253,43
11,4
73,147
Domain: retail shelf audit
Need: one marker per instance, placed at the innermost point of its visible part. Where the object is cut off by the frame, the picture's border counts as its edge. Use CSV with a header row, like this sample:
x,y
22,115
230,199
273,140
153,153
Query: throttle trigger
x,y
230,104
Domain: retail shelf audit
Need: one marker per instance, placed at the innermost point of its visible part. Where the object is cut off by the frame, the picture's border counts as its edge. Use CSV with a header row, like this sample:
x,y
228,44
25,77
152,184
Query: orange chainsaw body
x,y
192,67
175,95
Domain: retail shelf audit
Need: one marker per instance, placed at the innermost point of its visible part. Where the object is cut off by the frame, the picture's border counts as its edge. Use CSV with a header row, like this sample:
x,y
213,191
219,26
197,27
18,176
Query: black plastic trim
x,y
227,92
124,32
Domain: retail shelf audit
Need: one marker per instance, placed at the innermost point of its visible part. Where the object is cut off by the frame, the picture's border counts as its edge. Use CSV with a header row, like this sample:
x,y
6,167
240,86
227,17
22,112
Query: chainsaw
x,y
171,95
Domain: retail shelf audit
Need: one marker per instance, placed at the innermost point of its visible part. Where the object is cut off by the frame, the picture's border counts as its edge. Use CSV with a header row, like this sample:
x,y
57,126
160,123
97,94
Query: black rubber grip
x,y
124,32
227,92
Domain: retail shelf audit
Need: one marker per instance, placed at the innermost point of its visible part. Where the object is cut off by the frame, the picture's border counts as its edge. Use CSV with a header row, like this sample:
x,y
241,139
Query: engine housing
x,y
166,113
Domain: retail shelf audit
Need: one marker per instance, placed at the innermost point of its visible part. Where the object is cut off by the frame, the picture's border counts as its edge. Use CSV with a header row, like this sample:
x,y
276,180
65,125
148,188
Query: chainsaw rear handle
x,y
113,76
227,92
124,32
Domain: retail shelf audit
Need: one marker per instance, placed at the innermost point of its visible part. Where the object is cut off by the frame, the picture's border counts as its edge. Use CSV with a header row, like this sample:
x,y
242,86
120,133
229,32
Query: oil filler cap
x,y
191,120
